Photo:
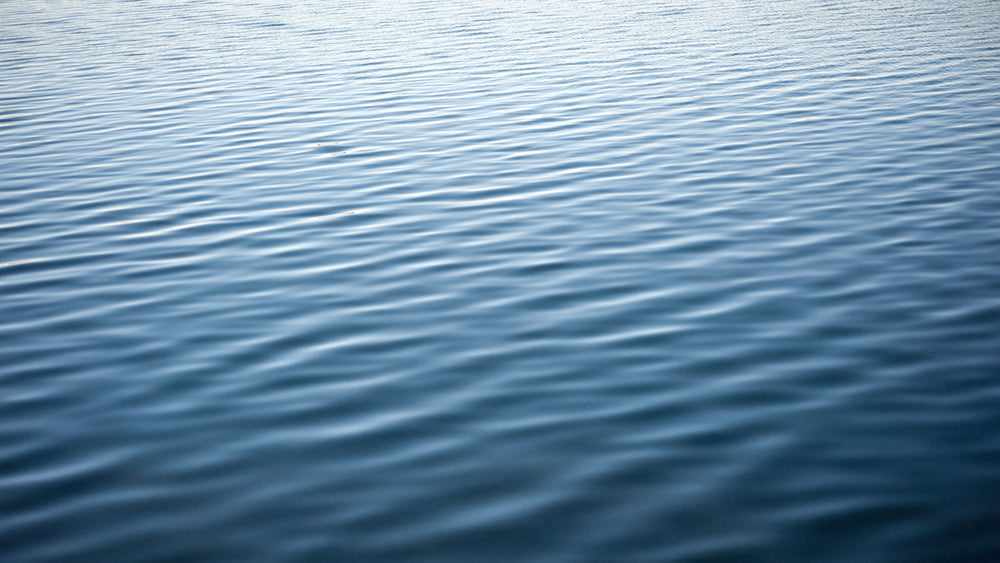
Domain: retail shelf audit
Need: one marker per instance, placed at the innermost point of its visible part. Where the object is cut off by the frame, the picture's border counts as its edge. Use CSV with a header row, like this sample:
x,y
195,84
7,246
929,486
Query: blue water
x,y
499,281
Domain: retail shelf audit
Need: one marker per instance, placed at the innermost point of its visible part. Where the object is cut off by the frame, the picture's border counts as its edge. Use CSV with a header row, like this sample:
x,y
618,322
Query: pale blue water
x,y
499,281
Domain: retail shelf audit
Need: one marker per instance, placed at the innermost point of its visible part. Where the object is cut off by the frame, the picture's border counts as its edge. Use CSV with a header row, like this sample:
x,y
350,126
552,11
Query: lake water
x,y
501,281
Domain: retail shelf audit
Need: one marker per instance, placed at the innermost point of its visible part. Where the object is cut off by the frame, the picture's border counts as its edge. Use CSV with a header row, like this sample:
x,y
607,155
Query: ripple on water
x,y
524,281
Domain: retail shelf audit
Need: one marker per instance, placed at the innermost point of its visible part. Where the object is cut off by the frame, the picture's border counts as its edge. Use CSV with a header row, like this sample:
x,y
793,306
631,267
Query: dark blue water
x,y
499,281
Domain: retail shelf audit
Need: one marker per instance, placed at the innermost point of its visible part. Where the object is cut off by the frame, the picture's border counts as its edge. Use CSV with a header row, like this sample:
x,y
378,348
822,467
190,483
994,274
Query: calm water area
x,y
499,281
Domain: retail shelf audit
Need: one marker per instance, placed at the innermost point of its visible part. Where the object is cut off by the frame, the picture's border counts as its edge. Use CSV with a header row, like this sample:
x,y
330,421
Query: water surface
x,y
499,281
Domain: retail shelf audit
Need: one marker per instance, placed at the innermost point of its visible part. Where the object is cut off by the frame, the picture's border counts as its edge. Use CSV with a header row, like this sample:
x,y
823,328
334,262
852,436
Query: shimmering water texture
x,y
499,281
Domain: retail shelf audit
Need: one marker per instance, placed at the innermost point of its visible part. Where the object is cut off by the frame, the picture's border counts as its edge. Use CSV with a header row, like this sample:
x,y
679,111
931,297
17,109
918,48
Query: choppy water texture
x,y
499,281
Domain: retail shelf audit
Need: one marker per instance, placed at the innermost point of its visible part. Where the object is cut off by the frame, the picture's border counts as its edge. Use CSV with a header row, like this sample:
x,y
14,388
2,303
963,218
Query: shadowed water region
x,y
513,280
